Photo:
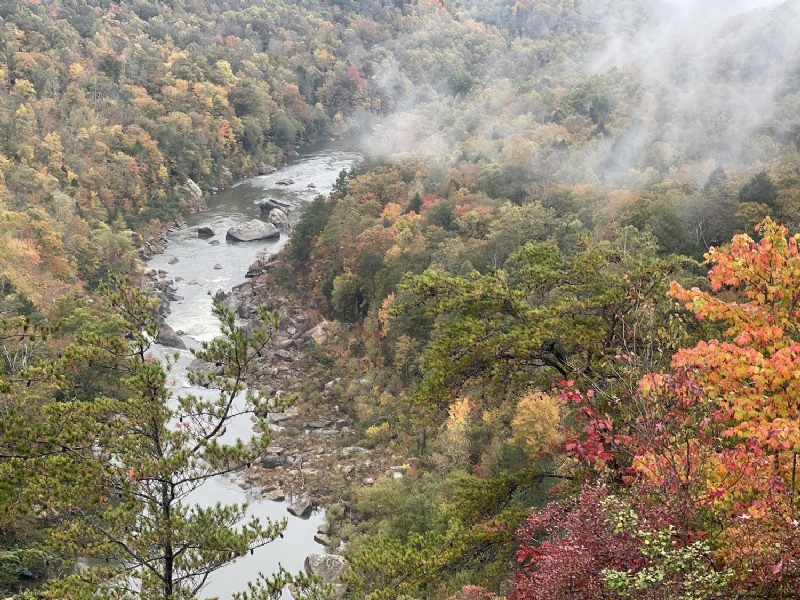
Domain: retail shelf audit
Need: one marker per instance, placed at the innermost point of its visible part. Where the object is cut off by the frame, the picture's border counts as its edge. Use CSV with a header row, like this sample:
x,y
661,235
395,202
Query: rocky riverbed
x,y
312,444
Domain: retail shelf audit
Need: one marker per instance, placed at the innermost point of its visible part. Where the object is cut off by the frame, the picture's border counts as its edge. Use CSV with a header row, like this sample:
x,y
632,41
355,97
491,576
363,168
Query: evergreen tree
x,y
112,475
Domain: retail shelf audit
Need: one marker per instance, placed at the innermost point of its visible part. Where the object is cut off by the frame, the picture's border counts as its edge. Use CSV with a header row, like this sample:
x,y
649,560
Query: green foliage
x,y
20,568
113,471
494,333
665,558
439,536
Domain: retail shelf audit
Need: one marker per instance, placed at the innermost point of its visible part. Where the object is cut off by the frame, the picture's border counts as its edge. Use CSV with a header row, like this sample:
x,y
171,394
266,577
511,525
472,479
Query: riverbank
x,y
312,447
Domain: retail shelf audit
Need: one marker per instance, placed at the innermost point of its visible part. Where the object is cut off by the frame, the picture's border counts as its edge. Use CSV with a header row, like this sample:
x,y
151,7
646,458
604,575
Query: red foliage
x,y
564,548
354,74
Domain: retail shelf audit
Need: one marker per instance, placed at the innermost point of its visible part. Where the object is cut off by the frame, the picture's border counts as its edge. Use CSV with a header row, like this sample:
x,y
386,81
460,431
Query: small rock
x,y
353,450
301,508
368,481
318,423
173,260
284,182
324,528
218,267
274,495
323,539
213,243
284,355
205,232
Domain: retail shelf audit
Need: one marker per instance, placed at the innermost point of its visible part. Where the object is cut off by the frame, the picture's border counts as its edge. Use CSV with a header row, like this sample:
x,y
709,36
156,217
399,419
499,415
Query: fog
x,y
690,85
711,74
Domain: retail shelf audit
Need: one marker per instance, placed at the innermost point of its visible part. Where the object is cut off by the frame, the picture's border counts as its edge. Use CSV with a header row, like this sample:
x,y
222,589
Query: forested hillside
x,y
517,274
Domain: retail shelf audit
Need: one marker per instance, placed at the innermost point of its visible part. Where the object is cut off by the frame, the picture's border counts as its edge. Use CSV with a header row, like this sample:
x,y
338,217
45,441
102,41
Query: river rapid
x,y
206,265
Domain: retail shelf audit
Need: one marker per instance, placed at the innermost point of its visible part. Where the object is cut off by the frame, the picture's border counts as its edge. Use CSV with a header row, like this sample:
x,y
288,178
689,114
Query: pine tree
x,y
111,474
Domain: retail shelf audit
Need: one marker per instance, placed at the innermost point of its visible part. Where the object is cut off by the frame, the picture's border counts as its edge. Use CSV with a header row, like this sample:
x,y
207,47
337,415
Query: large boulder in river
x,y
253,230
205,232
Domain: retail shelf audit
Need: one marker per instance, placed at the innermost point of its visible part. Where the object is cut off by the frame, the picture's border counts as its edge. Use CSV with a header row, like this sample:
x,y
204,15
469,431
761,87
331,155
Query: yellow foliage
x,y
25,88
459,417
75,70
536,423
392,212
384,314
377,433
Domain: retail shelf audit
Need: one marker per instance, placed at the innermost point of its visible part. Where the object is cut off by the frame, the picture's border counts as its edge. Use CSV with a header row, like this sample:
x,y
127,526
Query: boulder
x,y
270,204
287,344
253,230
323,539
273,457
328,567
266,169
283,355
279,218
274,495
279,417
205,368
353,451
319,333
272,461
205,232
193,189
167,337
301,508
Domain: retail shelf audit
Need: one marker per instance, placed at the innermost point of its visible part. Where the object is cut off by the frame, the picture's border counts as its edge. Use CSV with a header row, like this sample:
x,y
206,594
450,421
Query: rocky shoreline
x,y
312,449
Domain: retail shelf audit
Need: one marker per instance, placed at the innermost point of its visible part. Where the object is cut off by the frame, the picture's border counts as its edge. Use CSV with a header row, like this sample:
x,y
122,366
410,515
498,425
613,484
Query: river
x,y
205,265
